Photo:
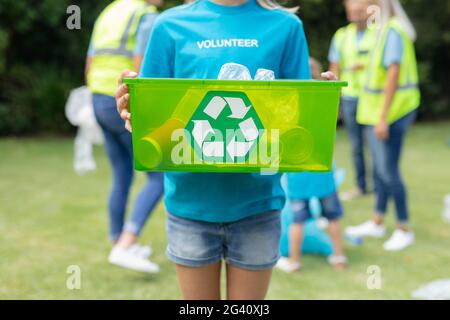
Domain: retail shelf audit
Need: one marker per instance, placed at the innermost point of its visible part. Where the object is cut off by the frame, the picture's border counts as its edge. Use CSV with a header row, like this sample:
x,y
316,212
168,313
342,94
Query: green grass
x,y
50,218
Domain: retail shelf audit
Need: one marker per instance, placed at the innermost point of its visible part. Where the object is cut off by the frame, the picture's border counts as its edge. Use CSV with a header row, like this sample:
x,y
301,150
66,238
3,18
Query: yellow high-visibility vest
x,y
113,41
353,53
407,96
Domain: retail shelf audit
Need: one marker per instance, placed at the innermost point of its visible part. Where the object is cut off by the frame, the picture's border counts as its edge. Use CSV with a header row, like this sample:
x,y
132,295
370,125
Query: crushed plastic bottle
x,y
264,74
234,71
80,113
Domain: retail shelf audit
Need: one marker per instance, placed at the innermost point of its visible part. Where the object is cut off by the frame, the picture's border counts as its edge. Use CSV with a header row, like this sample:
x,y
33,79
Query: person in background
x,y
301,188
118,42
389,106
349,56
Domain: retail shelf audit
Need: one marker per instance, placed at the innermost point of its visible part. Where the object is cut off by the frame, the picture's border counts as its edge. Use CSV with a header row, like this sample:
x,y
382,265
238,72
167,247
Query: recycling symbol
x,y
225,127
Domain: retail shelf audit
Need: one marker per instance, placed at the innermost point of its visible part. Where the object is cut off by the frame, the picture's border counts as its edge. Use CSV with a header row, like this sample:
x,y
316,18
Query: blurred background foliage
x,y
41,60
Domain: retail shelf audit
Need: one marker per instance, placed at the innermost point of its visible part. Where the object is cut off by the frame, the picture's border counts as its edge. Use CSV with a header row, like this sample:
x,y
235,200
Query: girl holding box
x,y
216,216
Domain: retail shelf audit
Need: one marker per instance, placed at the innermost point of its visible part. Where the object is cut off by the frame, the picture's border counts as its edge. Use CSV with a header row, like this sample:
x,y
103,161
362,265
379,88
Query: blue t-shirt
x,y
393,49
195,41
305,185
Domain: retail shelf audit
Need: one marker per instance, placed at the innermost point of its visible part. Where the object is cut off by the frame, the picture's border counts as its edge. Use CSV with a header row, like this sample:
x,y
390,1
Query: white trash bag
x,y
436,290
80,113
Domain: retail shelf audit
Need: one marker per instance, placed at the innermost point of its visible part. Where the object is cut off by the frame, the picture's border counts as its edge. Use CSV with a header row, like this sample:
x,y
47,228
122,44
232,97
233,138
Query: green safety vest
x,y
113,40
354,53
407,96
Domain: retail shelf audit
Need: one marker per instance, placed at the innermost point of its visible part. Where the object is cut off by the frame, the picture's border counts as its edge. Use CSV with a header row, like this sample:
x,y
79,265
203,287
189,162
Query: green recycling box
x,y
233,126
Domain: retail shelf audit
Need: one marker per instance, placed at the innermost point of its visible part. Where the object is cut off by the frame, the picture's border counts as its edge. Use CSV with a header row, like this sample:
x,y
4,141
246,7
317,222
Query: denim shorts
x,y
331,209
252,243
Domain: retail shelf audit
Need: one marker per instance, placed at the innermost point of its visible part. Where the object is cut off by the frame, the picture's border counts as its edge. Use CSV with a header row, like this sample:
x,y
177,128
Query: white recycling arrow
x,y
238,148
234,148
213,149
201,130
238,108
249,129
215,107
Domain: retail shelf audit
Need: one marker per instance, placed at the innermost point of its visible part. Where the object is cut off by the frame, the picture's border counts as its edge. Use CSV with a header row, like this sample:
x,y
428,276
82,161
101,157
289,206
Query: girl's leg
x,y
118,154
247,285
251,250
356,135
396,186
295,241
333,211
144,205
402,236
196,248
394,179
379,159
122,179
336,237
301,214
381,199
201,283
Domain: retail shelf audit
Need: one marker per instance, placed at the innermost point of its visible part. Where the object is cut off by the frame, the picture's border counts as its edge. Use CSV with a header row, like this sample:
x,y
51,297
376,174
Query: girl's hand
x,y
382,130
330,76
123,98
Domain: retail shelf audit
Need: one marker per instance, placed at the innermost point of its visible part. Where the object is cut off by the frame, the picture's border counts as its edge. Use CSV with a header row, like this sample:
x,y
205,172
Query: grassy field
x,y
50,219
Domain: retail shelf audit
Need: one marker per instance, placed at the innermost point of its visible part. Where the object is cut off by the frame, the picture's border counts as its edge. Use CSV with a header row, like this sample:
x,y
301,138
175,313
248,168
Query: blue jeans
x,y
331,209
356,134
386,161
252,243
120,152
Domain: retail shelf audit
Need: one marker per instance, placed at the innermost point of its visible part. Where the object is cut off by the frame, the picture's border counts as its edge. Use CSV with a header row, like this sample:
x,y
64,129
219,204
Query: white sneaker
x,y
367,229
143,251
286,265
400,240
129,258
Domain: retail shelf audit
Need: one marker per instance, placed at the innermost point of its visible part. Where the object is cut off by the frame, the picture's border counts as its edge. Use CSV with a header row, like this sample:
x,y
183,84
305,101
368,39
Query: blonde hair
x,y
393,8
273,4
